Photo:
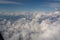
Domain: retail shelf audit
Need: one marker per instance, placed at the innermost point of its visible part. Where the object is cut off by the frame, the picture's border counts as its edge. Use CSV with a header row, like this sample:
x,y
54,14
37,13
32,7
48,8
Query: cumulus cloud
x,y
41,26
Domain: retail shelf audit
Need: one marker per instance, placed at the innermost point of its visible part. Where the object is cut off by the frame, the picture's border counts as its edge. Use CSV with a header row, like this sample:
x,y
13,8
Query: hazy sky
x,y
29,5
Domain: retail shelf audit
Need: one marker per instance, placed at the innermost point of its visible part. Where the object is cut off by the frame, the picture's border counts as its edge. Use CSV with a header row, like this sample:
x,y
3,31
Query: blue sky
x,y
29,5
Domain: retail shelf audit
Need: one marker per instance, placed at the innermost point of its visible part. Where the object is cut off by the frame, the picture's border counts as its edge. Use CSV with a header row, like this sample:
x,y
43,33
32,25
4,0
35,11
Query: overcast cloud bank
x,y
33,26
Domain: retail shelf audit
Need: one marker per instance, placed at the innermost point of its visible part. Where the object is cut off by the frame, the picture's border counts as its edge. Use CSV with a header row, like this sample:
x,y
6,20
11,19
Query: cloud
x,y
56,0
9,2
42,26
54,5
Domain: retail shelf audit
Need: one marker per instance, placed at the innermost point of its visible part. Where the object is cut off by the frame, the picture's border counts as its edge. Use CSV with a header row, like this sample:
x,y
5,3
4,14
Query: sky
x,y
29,5
15,24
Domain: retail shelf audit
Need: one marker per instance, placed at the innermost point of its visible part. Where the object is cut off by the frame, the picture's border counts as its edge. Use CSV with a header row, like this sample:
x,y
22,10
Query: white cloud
x,y
43,26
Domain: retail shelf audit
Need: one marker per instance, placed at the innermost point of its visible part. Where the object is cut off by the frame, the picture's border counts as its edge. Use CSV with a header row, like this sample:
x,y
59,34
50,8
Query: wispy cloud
x,y
56,0
51,5
54,4
9,2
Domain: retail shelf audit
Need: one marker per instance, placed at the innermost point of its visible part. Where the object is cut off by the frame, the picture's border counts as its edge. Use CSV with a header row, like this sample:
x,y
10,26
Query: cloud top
x,y
40,26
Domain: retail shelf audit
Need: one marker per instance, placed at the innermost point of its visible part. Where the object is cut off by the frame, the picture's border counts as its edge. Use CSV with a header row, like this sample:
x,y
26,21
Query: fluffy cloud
x,y
41,26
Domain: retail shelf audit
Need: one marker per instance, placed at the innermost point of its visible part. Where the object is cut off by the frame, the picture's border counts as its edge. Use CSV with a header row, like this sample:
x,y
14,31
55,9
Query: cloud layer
x,y
34,26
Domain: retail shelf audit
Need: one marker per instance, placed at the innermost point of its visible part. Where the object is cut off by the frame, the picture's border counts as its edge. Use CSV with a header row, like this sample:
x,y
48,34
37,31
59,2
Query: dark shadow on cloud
x,y
14,18
11,18
1,37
